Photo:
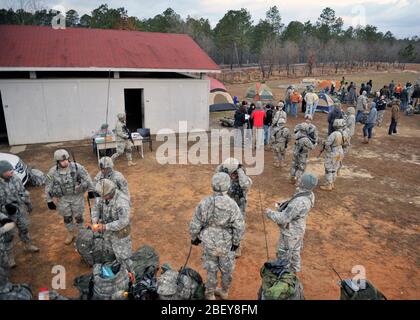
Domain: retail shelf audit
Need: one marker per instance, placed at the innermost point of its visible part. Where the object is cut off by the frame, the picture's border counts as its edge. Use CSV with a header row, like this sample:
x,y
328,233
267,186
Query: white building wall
x,y
53,110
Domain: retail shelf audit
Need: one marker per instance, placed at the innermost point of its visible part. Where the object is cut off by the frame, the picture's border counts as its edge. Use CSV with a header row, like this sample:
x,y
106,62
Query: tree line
x,y
237,41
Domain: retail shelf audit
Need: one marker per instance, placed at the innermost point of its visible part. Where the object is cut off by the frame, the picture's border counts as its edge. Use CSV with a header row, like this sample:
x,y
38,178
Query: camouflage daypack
x,y
278,283
16,292
110,288
350,291
91,247
184,285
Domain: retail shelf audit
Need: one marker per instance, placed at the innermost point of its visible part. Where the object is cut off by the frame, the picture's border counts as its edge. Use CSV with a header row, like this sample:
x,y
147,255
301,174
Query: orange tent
x,y
327,83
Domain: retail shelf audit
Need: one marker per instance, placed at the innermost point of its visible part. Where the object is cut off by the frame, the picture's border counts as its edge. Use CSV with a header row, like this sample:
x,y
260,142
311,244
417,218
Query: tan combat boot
x,y
210,295
238,252
131,163
223,294
293,180
30,248
327,187
11,261
69,238
276,163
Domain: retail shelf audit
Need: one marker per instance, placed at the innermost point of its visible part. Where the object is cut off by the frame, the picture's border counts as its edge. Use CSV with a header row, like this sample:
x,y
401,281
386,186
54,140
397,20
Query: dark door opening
x,y
3,129
134,108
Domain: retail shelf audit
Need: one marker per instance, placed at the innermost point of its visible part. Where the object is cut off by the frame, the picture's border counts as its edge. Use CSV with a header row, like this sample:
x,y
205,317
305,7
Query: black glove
x,y
195,242
234,247
4,221
10,209
51,205
92,194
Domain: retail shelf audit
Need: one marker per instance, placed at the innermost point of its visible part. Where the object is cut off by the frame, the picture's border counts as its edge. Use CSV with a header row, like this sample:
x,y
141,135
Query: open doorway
x,y
134,108
3,129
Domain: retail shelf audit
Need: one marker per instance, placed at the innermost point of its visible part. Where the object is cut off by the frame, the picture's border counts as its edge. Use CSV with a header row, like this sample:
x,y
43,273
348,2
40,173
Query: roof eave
x,y
108,69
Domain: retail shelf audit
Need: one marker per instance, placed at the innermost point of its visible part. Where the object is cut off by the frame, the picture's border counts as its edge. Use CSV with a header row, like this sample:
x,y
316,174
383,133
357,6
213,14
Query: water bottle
x,y
44,294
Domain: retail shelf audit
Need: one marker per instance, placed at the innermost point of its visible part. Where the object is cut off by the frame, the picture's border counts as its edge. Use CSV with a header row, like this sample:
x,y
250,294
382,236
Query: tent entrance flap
x,y
3,128
134,108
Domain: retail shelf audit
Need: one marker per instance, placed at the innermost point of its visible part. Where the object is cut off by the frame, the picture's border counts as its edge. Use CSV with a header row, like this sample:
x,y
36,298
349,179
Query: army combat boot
x,y
131,163
69,238
223,294
210,295
327,187
238,252
30,248
293,180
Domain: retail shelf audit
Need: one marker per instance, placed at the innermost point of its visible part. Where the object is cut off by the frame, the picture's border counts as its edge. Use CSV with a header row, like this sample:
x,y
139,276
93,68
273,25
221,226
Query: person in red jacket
x,y
258,117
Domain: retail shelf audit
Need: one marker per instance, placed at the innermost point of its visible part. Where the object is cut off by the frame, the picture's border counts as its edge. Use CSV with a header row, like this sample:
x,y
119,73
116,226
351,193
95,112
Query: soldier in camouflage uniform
x,y
334,153
239,186
219,224
6,237
107,172
111,217
280,137
303,145
123,140
15,202
10,291
68,181
291,218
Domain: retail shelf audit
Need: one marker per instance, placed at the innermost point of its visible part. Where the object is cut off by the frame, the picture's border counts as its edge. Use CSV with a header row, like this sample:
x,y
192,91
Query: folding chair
x,y
145,133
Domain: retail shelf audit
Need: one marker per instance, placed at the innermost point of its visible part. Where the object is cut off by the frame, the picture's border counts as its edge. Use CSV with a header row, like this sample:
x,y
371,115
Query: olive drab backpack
x,y
279,283
350,291
91,247
145,261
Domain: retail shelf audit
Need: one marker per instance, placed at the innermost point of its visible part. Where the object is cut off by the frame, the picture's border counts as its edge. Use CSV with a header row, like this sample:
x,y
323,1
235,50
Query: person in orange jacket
x,y
295,99
397,91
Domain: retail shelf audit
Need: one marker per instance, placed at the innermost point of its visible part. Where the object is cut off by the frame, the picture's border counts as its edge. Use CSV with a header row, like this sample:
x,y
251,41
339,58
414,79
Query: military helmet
x,y
301,127
5,166
105,187
121,116
106,162
104,126
220,182
231,165
339,123
61,154
308,181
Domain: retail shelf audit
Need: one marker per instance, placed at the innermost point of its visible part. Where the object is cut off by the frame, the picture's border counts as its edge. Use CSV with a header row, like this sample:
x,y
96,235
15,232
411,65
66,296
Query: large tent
x,y
219,98
259,92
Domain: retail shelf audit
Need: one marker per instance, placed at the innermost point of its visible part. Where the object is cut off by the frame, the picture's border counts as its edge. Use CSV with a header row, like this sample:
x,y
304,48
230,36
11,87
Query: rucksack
x,y
279,283
110,288
144,289
145,261
184,285
350,291
84,284
92,249
12,291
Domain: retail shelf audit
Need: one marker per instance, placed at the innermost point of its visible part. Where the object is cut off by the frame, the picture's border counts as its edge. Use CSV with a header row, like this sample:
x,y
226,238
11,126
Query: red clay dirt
x,y
370,219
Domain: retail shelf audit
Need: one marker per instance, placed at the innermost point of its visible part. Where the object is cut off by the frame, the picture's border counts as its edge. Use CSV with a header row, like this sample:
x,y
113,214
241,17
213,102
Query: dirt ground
x,y
371,218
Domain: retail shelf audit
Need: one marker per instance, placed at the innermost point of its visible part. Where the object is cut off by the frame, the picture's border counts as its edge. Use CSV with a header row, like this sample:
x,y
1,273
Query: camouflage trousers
x,y
289,248
332,164
122,146
279,151
22,224
71,208
224,263
6,243
121,248
298,165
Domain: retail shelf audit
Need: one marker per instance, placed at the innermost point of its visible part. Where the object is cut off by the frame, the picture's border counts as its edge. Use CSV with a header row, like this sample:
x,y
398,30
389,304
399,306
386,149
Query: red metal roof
x,y
43,47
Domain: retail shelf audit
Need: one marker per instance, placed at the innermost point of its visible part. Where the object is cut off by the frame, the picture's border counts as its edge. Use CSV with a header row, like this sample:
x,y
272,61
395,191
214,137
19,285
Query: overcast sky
x,y
401,17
